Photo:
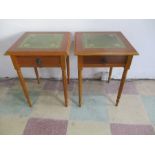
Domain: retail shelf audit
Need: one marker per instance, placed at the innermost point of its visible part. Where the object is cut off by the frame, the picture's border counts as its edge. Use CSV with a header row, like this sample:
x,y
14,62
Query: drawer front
x,y
42,61
104,60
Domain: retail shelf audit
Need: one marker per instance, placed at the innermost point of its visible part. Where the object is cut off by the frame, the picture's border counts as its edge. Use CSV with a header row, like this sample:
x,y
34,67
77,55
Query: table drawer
x,y
38,61
104,60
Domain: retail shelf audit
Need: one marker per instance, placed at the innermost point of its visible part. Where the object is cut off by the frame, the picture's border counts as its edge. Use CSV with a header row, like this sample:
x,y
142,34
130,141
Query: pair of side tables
x,y
51,49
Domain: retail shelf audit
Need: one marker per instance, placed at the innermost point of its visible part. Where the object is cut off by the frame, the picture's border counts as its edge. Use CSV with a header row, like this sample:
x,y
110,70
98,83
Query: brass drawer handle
x,y
38,61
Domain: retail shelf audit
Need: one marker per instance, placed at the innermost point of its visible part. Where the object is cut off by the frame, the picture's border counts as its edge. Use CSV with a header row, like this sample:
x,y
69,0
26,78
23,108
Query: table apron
x,y
38,61
104,61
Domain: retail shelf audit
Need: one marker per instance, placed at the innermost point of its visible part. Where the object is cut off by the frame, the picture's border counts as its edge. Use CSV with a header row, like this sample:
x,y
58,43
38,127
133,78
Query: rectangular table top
x,y
31,43
102,43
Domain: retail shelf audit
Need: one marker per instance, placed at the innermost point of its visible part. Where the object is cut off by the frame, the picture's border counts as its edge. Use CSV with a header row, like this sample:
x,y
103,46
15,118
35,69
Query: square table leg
x,y
63,67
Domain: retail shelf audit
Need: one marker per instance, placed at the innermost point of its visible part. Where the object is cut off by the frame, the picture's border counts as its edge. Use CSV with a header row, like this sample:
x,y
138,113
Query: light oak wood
x,y
121,60
38,61
121,85
81,51
103,57
65,87
38,57
63,50
123,79
63,67
68,69
24,87
21,79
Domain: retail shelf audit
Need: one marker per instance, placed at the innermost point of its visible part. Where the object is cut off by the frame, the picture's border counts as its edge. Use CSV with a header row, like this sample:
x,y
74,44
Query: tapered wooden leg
x,y
24,87
63,67
80,86
121,85
37,74
65,87
110,73
68,69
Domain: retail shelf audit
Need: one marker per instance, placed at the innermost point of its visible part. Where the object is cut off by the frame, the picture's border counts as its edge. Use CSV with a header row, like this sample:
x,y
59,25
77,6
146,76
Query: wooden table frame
x,y
90,59
49,59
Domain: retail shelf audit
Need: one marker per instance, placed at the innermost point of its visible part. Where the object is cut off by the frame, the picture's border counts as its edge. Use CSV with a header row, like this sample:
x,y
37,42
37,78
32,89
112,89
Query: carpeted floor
x,y
98,115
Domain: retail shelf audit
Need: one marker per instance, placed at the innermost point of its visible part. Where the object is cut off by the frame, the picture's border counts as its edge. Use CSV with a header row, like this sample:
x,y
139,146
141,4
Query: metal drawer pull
x,y
38,61
103,60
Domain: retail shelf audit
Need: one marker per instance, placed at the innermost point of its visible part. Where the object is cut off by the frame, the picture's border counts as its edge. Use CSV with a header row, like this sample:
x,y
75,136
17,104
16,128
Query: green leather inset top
x,y
42,41
98,40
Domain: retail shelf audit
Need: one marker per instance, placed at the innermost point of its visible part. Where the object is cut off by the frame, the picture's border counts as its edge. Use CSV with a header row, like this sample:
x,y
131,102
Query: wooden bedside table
x,y
41,49
103,49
